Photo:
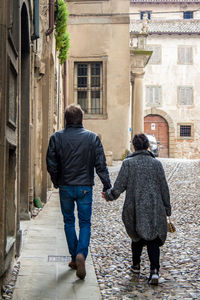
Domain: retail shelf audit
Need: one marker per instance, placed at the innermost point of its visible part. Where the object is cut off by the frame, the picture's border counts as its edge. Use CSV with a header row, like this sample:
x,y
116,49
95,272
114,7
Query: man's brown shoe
x,y
80,263
72,265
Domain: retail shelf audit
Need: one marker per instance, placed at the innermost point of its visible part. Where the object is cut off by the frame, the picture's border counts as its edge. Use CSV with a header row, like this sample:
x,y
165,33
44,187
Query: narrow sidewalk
x,y
44,273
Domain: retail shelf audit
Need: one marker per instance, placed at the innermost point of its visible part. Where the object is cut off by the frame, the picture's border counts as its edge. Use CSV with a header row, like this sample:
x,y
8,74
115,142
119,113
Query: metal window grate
x,y
185,130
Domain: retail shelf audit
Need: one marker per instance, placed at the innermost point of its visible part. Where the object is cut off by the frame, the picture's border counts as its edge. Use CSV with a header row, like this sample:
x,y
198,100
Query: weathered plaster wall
x,y
170,75
105,38
48,99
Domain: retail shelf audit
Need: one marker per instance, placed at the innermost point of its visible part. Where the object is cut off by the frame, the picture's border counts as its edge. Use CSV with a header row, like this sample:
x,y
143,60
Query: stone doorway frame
x,y
168,119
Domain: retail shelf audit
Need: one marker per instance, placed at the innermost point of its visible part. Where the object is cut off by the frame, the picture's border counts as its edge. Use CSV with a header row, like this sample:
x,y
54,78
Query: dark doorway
x,y
24,115
157,126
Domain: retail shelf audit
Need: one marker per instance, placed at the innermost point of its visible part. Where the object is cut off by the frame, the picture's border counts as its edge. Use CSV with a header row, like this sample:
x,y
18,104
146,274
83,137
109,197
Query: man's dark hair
x,y
73,115
140,142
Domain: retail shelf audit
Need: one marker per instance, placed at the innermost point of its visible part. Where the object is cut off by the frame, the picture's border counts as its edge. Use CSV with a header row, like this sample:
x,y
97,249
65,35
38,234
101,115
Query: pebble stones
x,y
180,255
8,288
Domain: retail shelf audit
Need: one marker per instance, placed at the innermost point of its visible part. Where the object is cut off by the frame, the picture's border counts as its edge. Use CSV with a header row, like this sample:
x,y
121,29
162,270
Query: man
x,y
72,155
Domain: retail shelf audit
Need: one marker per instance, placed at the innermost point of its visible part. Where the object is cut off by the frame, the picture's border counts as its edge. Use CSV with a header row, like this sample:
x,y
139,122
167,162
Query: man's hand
x,y
103,196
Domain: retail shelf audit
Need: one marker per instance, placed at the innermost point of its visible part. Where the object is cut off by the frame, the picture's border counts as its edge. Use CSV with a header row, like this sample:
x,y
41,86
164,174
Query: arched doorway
x,y
24,115
157,126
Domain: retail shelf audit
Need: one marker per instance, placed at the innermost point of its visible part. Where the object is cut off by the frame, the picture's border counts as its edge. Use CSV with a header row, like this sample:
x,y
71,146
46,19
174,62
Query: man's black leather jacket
x,y
72,155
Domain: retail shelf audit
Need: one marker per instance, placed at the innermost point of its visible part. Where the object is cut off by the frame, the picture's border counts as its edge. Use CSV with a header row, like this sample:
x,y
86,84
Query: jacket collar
x,y
74,126
141,152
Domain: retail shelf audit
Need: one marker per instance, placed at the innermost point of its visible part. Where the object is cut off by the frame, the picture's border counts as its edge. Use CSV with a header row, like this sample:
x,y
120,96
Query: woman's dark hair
x,y
140,142
73,115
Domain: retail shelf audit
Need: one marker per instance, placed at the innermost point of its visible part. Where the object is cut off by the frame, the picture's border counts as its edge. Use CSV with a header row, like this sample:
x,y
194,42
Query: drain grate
x,y
58,258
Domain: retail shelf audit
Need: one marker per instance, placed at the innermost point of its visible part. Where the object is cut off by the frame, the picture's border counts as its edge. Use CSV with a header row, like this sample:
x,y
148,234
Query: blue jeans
x,y
82,195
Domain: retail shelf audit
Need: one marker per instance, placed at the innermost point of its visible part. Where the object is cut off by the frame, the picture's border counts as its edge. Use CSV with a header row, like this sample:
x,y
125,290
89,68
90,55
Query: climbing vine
x,y
61,34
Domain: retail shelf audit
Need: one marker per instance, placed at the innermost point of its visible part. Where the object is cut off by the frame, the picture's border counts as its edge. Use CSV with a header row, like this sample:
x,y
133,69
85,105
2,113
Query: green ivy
x,y
61,34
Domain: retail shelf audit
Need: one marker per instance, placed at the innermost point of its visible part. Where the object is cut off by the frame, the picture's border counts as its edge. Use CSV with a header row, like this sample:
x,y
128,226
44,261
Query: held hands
x,y
104,197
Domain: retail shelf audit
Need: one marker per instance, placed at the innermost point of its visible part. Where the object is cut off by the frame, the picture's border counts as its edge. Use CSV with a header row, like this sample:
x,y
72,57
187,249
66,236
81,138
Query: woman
x,y
147,203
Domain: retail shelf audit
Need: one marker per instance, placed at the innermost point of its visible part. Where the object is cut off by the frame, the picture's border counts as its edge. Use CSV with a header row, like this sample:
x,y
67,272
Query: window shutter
x,y
185,95
153,95
149,95
185,55
181,55
182,95
189,95
189,55
156,55
157,93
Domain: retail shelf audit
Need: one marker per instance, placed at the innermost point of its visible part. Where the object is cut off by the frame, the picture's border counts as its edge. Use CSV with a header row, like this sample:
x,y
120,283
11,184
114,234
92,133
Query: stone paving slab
x,y
40,279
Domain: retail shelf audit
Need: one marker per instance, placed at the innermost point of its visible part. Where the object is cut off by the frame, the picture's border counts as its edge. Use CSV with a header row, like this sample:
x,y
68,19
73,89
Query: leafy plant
x,y
61,34
124,155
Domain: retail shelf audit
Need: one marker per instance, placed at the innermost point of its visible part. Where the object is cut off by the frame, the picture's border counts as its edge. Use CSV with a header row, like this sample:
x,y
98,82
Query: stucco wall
x,y
170,75
105,38
48,99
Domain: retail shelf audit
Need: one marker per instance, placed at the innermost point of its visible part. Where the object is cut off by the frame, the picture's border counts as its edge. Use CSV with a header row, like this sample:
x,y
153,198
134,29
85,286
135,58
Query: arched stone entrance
x,y
157,126
24,118
171,129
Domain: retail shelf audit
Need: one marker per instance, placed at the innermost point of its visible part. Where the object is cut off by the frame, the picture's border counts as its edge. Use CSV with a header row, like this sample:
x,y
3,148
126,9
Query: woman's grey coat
x,y
147,200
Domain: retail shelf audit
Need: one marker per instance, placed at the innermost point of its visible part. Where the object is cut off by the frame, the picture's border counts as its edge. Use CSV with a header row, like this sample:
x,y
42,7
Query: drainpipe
x,y
51,17
64,85
36,19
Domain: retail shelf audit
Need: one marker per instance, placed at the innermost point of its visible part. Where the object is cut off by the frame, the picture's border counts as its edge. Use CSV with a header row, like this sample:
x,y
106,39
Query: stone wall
x,y
31,109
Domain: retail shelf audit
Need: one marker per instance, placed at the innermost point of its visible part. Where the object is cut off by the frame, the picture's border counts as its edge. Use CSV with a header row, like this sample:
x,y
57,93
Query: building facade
x,y
171,79
98,75
31,106
99,72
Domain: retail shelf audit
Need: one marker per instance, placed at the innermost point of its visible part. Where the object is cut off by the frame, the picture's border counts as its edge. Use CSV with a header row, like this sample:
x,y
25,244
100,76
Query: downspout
x,y
64,85
51,17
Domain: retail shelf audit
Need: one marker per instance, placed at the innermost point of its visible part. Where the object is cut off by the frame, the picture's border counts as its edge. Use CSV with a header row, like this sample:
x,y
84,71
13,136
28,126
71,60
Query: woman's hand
x,y
104,197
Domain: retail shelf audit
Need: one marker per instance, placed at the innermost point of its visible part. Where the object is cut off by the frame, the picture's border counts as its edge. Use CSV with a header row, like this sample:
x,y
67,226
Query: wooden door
x,y
157,126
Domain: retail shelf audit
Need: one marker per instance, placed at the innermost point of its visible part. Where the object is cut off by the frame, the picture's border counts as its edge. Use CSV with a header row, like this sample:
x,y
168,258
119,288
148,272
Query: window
x,y
156,55
188,15
153,95
89,87
185,130
142,13
185,95
185,55
12,96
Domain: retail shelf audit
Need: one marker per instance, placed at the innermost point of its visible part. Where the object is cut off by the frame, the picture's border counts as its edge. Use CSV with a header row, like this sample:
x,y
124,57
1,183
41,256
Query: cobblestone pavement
x,y
180,255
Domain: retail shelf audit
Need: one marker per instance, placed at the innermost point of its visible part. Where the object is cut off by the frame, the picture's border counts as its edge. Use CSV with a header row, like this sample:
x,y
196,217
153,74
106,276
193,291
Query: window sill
x,y
95,117
188,106
185,138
